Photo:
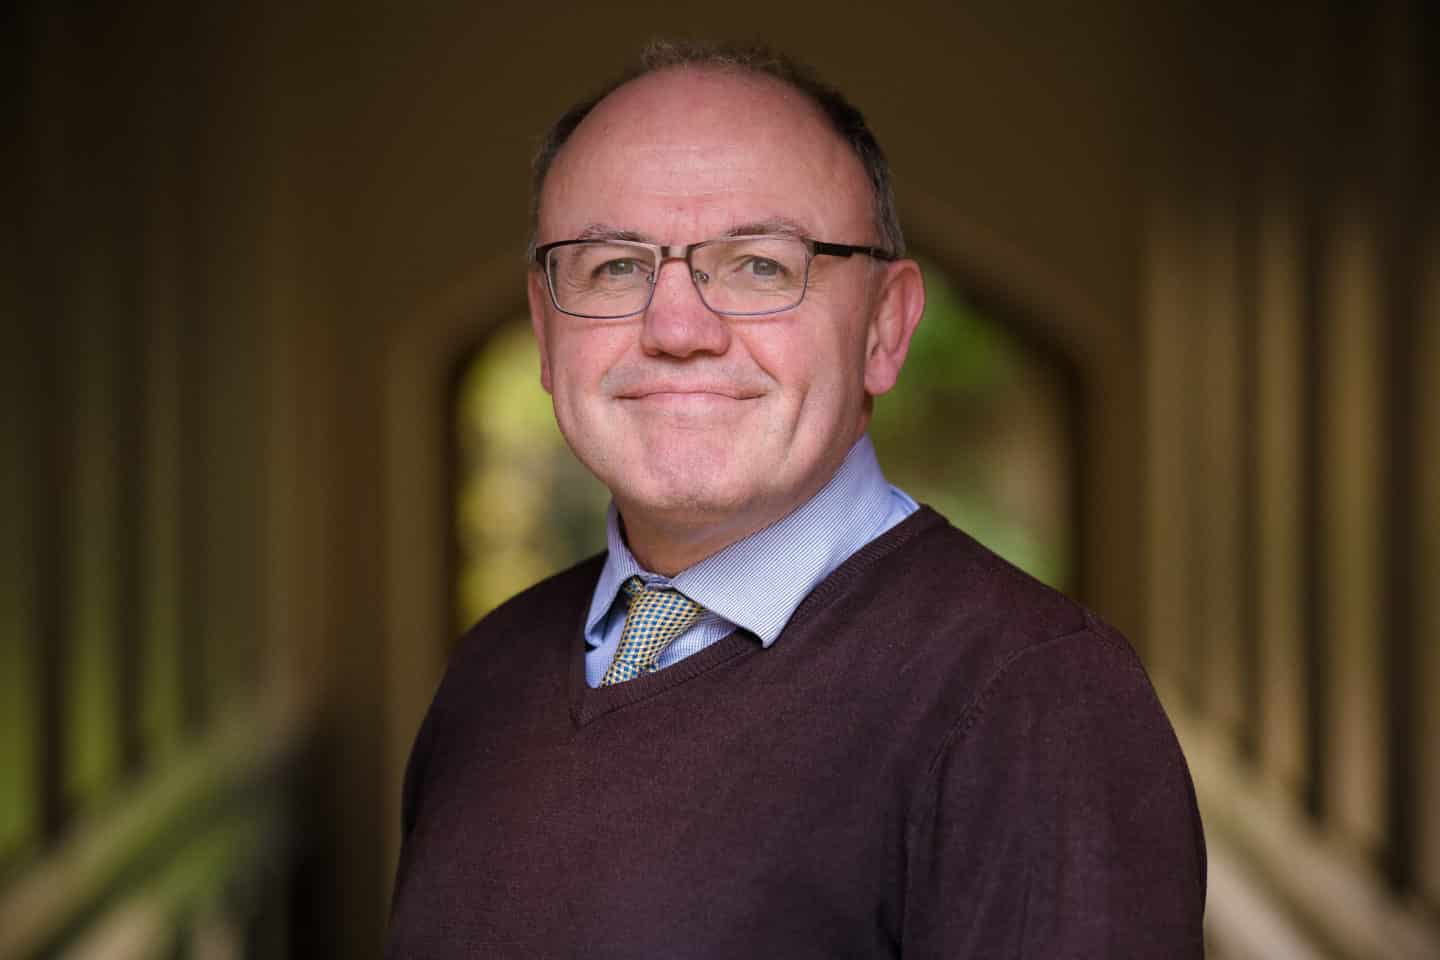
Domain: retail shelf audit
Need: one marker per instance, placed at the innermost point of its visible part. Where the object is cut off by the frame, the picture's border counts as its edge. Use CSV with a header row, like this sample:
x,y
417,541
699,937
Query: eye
x,y
764,267
619,268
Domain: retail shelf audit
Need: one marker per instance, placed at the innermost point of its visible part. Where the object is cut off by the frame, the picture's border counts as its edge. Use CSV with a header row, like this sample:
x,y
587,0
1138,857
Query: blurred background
x,y
264,376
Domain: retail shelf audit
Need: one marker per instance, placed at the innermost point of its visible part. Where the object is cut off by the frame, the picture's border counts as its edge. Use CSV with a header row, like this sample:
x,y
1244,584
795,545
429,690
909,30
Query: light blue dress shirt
x,y
755,583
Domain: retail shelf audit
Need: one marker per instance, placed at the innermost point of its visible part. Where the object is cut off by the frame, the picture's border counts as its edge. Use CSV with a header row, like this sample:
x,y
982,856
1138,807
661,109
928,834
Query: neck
x,y
667,548
672,540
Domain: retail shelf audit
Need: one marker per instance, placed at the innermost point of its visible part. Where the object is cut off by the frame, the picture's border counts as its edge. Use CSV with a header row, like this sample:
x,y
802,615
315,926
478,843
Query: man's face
x,y
707,428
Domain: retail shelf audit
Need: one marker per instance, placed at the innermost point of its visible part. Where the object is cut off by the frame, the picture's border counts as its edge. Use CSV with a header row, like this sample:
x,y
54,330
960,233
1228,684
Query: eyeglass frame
x,y
666,252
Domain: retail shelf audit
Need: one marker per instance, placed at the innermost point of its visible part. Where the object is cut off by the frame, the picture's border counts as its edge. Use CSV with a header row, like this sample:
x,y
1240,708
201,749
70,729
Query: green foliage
x,y
19,743
92,749
937,431
526,507
19,667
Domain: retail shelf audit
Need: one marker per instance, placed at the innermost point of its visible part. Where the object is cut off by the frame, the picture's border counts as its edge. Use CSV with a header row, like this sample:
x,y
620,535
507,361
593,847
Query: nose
x,y
677,322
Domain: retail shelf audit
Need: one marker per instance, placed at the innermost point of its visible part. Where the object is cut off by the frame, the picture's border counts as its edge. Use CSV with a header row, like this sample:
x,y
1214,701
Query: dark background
x,y
246,249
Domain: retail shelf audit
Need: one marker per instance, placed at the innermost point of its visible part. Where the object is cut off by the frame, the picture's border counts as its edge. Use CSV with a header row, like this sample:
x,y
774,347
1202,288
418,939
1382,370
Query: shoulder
x,y
934,624
931,599
1059,805
952,569
1079,693
995,666
1053,773
542,622
520,649
1020,646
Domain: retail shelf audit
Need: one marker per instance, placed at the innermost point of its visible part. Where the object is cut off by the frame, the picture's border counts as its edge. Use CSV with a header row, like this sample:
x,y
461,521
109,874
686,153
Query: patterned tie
x,y
656,617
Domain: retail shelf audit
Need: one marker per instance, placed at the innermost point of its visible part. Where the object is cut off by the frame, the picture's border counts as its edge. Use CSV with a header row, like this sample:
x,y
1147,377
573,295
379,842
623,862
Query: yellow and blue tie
x,y
656,617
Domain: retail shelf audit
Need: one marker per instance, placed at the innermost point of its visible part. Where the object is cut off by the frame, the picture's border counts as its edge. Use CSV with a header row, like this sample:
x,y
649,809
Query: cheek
x,y
791,353
580,359
812,360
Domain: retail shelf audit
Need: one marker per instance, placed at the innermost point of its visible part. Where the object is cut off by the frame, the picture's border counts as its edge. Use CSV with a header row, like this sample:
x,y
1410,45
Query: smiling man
x,y
788,713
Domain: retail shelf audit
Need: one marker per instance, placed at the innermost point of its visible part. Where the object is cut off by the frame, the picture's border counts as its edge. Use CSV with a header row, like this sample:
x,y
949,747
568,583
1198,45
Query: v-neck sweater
x,y
938,757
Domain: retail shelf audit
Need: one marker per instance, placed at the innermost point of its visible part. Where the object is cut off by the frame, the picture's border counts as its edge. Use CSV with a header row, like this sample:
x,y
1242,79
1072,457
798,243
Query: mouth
x,y
688,404
666,393
686,399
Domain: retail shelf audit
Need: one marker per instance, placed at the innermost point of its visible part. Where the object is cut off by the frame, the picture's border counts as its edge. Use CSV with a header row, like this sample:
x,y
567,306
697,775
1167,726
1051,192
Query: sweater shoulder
x,y
950,561
943,618
947,585
543,620
1012,639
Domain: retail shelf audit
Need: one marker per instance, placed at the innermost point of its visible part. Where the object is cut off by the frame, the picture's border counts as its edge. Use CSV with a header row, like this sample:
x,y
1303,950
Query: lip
x,y
674,393
693,407
686,400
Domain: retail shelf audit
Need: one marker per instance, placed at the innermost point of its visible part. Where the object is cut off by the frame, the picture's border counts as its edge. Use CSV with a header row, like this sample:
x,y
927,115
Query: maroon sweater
x,y
939,757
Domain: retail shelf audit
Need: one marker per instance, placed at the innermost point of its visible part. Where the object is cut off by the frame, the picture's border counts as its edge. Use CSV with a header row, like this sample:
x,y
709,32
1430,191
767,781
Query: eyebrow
x,y
604,231
773,226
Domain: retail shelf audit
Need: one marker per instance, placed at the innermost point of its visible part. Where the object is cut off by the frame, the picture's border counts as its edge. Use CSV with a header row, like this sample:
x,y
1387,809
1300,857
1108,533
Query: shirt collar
x,y
758,582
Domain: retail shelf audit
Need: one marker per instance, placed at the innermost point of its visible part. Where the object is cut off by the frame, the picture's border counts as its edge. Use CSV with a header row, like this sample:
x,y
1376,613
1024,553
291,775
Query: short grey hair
x,y
844,118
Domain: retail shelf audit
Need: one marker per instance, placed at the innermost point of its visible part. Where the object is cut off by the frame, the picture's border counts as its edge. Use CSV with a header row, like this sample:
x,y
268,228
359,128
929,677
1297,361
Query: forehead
x,y
689,153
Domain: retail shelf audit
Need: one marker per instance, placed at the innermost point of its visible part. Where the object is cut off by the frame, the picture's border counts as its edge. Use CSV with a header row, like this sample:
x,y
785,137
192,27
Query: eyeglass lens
x,y
738,276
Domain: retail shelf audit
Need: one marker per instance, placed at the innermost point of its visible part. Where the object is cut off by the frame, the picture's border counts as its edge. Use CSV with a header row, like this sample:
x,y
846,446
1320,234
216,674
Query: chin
x,y
695,501
704,499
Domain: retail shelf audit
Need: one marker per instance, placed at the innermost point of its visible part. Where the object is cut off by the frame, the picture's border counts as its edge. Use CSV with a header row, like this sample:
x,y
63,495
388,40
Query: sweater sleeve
x,y
1058,819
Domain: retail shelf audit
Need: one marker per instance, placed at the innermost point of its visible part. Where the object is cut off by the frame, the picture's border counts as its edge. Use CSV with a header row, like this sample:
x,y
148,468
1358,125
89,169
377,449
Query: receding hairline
x,y
625,105
834,112
725,72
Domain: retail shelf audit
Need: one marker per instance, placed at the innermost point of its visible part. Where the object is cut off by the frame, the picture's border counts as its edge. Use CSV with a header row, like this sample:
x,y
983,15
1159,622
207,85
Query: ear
x,y
898,306
539,299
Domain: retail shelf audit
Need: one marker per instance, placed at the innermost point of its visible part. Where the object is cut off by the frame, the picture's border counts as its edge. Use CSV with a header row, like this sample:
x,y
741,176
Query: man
x,y
788,713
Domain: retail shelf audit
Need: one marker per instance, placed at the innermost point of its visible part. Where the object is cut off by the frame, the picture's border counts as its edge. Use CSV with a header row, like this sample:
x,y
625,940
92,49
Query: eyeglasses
x,y
735,276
